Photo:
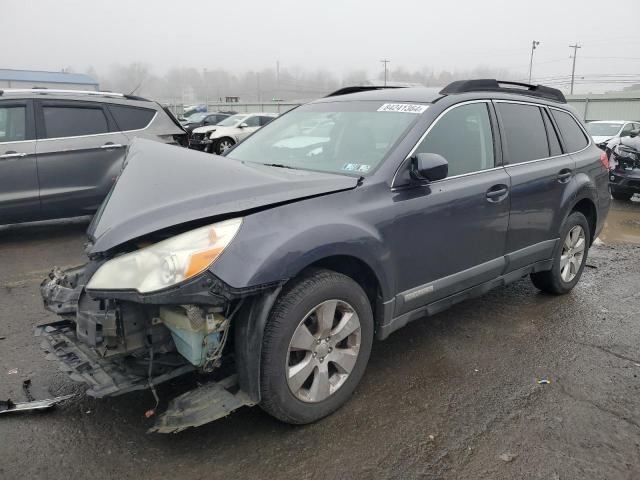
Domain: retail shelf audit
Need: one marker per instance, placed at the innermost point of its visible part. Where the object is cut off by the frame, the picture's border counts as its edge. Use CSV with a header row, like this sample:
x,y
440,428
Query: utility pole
x,y
258,85
534,44
573,69
206,89
385,62
278,77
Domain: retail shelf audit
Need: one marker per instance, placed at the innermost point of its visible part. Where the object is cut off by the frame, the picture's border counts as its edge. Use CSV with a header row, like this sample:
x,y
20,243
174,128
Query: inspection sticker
x,y
356,167
403,108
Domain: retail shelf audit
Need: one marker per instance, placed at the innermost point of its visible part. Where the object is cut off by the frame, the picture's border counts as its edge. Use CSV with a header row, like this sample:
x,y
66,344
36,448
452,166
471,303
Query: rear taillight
x,y
604,160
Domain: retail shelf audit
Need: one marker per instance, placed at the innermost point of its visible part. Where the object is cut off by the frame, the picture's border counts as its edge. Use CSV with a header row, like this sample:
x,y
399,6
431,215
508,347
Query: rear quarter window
x,y
573,136
131,118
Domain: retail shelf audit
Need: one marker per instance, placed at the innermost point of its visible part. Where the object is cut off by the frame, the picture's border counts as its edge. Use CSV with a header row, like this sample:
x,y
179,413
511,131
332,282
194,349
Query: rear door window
x,y
131,118
13,124
252,121
573,136
265,120
464,138
69,121
524,131
628,127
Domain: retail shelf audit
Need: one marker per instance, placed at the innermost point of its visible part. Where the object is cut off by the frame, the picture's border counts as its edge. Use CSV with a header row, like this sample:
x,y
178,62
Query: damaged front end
x,y
117,342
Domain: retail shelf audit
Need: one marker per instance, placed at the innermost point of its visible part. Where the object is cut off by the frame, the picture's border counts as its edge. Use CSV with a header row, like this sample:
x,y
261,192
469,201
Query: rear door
x,y
19,200
80,153
540,174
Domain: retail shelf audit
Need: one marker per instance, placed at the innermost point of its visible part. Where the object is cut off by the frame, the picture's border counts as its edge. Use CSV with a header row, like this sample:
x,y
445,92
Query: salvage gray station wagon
x,y
272,268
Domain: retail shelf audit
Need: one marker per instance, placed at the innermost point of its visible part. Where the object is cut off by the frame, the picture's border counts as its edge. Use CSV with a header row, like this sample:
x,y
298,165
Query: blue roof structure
x,y
48,77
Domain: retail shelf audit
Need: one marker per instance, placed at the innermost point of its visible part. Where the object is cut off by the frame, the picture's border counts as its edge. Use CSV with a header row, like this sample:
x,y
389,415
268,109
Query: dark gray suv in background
x,y
60,151
272,268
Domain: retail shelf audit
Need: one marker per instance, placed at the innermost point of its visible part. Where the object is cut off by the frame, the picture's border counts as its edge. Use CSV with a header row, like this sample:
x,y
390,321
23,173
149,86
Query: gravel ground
x,y
453,396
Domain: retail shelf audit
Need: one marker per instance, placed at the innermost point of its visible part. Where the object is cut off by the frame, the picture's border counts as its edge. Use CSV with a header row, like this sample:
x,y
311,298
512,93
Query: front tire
x,y
222,145
569,259
316,347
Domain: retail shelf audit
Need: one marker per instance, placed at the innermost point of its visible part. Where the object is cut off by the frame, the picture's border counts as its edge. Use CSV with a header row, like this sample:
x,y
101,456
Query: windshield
x,y
339,137
232,120
603,129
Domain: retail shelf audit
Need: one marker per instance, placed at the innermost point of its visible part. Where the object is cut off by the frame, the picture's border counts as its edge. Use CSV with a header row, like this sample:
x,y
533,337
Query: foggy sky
x,y
335,35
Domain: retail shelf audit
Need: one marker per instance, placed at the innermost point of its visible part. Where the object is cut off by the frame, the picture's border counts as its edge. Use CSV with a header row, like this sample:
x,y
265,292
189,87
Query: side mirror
x,y
243,125
428,167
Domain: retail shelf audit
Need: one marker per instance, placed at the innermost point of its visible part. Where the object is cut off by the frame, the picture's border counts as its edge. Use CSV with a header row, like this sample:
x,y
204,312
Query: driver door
x,y
450,234
19,188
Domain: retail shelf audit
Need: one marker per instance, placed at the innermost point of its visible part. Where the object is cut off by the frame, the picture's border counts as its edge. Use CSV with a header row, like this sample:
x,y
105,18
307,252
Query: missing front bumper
x,y
105,377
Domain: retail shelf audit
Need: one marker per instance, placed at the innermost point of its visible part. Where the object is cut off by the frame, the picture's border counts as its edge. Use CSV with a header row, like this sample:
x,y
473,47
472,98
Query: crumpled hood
x,y
164,185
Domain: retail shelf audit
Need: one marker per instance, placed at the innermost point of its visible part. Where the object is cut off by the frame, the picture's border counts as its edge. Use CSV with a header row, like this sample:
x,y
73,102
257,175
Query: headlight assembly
x,y
168,262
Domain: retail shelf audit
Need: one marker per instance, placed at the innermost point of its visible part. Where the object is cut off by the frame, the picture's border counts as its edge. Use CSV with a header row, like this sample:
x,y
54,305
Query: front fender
x,y
277,244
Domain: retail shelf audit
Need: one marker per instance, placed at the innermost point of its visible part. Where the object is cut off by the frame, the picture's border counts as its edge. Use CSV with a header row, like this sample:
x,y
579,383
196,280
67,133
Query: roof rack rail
x,y
43,90
493,85
360,88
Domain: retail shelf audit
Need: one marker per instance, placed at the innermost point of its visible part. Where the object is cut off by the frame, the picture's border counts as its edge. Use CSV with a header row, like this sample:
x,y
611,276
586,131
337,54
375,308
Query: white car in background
x,y
603,131
221,137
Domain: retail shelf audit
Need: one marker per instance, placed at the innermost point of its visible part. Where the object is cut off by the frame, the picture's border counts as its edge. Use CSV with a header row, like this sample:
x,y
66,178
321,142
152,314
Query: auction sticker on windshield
x,y
403,108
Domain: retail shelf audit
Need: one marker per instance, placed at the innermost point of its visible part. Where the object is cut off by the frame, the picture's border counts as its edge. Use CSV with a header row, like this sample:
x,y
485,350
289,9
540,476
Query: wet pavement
x,y
455,396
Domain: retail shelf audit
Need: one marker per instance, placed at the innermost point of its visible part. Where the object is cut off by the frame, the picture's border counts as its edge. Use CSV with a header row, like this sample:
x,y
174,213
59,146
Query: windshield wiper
x,y
279,165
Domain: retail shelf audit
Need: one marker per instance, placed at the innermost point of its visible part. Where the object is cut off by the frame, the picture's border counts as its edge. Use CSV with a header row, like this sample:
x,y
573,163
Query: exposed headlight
x,y
168,262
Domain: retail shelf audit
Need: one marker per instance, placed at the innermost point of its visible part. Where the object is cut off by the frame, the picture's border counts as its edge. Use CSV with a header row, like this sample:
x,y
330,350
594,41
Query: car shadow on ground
x,y
52,229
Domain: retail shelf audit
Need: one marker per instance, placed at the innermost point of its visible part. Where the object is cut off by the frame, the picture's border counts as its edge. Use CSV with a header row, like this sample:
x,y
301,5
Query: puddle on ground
x,y
623,223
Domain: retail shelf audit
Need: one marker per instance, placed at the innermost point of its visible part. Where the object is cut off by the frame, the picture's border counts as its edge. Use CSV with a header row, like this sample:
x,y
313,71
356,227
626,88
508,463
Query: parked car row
x,y
203,119
222,136
620,142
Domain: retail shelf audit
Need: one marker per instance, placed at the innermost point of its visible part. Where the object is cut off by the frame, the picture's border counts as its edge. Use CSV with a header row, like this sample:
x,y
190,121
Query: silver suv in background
x,y
61,151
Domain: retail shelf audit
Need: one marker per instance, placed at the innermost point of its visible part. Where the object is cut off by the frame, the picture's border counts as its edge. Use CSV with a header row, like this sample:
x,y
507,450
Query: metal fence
x,y
270,107
620,106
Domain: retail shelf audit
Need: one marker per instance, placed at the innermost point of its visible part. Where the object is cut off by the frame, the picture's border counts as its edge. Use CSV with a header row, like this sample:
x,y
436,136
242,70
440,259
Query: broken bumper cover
x,y
201,405
104,376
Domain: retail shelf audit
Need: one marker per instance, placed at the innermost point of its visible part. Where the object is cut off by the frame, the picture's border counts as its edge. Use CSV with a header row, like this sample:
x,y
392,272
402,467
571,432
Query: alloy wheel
x,y
572,255
224,145
323,351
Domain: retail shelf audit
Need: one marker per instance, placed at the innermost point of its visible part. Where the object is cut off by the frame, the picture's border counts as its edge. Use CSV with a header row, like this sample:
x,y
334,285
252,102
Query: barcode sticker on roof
x,y
403,108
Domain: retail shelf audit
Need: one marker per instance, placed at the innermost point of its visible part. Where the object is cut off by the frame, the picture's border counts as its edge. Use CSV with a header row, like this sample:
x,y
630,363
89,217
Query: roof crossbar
x,y
55,91
493,85
360,88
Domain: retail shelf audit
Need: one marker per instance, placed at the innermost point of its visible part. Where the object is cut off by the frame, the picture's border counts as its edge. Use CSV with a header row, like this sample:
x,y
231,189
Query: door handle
x,y
106,146
497,193
564,175
13,155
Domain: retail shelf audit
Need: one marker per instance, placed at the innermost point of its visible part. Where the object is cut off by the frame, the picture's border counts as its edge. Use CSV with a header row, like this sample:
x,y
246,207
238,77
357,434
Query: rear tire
x,y
310,367
569,259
